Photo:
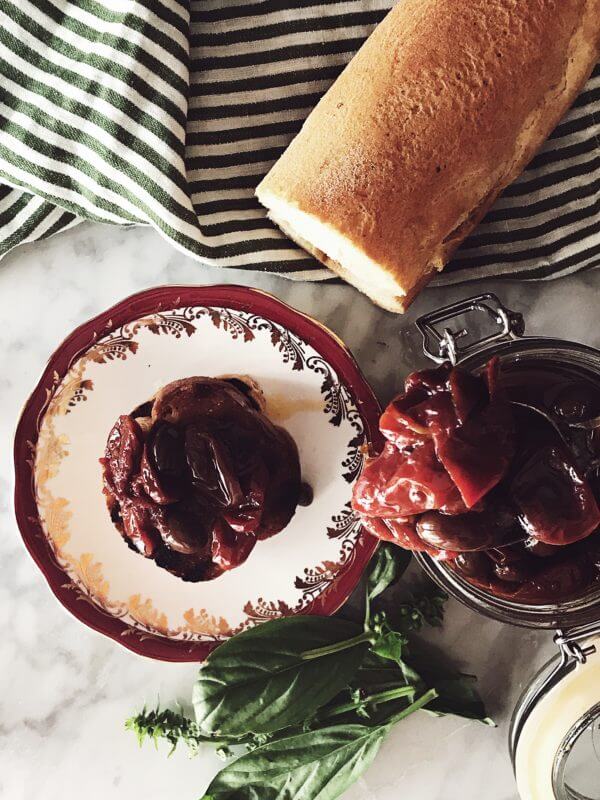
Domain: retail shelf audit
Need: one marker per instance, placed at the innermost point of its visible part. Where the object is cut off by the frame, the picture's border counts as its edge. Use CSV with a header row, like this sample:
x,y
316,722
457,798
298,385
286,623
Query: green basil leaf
x,y
378,672
457,692
317,765
387,565
457,695
389,645
374,668
386,642
258,682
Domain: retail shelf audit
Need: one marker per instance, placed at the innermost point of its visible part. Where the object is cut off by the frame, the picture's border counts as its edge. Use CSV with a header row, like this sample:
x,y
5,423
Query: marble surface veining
x,y
65,690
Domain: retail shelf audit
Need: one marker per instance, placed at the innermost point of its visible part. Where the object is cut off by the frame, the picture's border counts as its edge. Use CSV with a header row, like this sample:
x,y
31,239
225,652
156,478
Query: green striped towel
x,y
168,113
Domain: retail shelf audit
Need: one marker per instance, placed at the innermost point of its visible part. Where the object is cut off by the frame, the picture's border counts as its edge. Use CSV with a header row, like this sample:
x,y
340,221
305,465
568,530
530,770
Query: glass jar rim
x,y
551,616
529,344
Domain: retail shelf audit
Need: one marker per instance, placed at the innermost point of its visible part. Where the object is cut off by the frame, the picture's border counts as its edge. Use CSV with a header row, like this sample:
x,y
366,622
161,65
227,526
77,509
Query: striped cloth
x,y
168,113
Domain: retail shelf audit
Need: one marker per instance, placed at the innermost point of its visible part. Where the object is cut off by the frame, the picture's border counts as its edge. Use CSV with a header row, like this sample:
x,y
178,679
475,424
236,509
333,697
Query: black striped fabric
x,y
168,113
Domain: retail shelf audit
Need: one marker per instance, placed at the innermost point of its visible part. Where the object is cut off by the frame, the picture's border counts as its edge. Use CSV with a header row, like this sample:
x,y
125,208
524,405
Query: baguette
x,y
442,107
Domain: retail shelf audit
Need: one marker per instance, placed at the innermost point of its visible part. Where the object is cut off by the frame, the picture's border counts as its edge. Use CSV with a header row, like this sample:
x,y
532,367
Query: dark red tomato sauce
x,y
197,476
488,486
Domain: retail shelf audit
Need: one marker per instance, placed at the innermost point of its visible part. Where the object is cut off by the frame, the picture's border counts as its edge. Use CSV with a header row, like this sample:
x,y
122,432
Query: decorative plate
x,y
118,360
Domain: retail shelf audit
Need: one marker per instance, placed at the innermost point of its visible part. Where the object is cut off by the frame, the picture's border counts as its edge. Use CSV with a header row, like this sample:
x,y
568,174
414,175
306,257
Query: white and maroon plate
x,y
118,360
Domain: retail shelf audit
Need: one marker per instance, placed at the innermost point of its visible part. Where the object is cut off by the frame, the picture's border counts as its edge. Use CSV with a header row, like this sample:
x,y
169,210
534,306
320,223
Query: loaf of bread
x,y
442,107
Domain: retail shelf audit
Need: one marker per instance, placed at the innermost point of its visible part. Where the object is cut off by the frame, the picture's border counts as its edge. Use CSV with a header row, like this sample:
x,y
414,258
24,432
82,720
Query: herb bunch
x,y
311,699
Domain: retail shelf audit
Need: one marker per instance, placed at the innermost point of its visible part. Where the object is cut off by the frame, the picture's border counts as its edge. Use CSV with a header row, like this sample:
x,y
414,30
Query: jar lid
x,y
555,732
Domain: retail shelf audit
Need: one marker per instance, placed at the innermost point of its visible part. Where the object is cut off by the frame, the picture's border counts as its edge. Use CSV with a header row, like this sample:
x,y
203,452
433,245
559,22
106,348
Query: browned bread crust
x,y
440,110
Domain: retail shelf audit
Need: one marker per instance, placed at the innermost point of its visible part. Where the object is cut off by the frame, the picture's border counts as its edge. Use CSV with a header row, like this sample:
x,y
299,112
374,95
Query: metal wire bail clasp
x,y
443,345
569,642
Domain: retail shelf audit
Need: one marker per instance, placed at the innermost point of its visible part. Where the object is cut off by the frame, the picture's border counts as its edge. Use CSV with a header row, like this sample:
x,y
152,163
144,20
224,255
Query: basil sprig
x,y
312,698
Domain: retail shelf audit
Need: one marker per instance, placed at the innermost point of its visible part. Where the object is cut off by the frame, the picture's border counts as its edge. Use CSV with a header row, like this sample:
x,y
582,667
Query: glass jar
x,y
555,729
506,341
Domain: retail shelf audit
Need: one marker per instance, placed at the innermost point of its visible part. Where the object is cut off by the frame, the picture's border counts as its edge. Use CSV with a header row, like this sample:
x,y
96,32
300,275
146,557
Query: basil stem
x,y
426,698
337,647
372,699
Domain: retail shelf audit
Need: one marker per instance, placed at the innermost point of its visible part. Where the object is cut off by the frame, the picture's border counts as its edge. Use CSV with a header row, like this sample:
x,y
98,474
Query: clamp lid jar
x,y
451,334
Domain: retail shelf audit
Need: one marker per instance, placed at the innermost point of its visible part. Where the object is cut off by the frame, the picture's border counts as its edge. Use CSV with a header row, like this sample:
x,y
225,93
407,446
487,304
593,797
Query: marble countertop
x,y
65,690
